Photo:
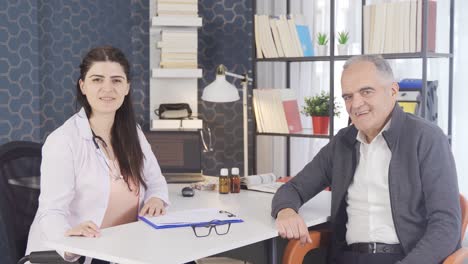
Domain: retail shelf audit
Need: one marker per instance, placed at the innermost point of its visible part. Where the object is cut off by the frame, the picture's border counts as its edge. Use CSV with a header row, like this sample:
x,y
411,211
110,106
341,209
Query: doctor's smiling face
x,y
105,86
104,83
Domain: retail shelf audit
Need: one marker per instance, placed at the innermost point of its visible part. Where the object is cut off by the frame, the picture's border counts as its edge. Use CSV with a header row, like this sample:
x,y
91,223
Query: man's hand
x,y
153,207
86,229
291,226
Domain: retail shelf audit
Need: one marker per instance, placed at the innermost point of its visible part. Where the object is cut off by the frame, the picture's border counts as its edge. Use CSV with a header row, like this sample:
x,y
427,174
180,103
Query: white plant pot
x,y
322,50
342,49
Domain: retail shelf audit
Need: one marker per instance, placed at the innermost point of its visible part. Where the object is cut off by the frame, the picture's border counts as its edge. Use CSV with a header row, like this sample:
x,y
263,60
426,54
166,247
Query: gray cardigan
x,y
422,181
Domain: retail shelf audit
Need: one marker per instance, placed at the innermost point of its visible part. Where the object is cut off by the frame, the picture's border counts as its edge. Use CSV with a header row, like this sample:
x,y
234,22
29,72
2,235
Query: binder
x,y
195,217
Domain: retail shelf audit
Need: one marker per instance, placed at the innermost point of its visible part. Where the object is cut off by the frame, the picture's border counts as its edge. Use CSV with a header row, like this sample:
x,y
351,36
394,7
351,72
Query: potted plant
x,y
343,38
318,107
322,41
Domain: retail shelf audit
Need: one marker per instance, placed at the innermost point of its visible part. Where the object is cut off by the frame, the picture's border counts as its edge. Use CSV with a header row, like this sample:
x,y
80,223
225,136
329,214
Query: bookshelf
x,y
424,55
173,83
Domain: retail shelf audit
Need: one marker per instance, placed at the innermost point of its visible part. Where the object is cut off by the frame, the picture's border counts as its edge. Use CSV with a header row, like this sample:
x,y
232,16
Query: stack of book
x,y
178,48
396,27
282,36
177,8
276,111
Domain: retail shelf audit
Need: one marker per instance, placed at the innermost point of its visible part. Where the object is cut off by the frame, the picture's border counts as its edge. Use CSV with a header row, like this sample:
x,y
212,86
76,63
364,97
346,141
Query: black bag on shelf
x,y
174,111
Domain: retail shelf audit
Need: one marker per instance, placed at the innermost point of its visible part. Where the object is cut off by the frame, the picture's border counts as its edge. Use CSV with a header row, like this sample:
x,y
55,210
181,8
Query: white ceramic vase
x,y
342,49
322,50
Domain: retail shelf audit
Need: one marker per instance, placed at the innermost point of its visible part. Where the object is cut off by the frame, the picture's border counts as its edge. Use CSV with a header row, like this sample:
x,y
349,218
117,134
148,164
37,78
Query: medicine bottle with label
x,y
224,182
235,180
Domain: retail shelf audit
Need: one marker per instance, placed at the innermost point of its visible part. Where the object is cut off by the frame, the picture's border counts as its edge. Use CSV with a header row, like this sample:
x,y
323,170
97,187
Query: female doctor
x,y
97,169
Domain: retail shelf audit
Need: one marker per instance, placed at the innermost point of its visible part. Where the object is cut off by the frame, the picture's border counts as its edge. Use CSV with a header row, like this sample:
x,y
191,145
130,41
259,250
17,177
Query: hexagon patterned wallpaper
x,y
42,43
19,71
225,38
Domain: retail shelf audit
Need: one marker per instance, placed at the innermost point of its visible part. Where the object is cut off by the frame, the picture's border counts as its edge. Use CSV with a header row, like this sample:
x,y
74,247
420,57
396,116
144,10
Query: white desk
x,y
138,243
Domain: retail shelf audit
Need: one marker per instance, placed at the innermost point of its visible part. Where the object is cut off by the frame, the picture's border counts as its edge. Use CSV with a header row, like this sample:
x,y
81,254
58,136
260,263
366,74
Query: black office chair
x,y
19,187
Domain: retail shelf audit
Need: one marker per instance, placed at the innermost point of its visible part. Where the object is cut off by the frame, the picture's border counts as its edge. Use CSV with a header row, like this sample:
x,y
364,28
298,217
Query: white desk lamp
x,y
221,91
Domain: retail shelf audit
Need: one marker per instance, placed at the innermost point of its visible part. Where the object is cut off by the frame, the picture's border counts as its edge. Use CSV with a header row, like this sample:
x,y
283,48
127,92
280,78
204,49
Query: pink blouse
x,y
123,203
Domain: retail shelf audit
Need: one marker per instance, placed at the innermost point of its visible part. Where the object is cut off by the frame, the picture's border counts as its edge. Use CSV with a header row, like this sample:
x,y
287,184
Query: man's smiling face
x,y
369,97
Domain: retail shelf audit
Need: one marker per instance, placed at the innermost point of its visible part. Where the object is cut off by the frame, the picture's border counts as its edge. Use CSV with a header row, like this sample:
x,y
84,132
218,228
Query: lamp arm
x,y
245,81
242,77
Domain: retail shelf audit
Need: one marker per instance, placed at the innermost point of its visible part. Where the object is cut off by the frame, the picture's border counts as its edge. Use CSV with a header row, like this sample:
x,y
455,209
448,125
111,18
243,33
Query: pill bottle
x,y
235,180
224,182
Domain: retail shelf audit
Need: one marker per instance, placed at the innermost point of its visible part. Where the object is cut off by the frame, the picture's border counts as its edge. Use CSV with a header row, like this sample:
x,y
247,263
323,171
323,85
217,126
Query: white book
x,y
367,28
276,37
391,29
281,123
269,37
258,117
258,40
285,36
176,73
372,27
179,13
179,56
180,38
412,25
192,32
258,99
401,29
379,30
178,50
176,124
178,64
178,1
262,182
261,34
405,22
418,25
184,7
173,44
295,37
176,21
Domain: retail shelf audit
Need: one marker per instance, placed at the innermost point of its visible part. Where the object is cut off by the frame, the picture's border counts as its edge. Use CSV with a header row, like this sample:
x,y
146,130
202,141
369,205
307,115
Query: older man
x,y
394,185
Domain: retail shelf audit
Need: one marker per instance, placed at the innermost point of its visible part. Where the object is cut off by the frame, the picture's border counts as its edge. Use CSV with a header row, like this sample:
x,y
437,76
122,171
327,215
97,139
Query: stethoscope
x,y
101,153
95,142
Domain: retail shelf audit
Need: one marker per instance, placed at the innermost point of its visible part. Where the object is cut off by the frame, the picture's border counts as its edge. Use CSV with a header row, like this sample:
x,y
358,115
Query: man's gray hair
x,y
379,62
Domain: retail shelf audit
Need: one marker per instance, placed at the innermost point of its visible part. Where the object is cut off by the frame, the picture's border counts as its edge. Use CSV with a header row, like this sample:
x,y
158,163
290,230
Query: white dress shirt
x,y
369,212
75,182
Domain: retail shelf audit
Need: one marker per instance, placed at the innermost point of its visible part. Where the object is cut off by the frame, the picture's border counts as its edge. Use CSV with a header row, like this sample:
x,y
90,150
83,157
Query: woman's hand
x,y
86,229
153,207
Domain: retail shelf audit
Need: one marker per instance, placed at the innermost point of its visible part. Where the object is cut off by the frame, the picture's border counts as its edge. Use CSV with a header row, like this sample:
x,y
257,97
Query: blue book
x,y
410,84
304,38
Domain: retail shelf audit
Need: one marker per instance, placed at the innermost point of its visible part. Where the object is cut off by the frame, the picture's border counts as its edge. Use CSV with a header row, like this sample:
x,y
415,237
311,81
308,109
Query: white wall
x,y
460,97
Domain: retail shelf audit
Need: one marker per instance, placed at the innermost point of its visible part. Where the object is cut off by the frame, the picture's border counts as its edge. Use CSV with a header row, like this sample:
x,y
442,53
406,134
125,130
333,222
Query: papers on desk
x,y
262,182
203,216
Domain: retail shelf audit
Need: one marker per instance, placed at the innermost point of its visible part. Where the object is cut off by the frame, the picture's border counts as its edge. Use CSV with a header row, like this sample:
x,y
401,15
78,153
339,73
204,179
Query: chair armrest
x,y
457,257
44,257
295,252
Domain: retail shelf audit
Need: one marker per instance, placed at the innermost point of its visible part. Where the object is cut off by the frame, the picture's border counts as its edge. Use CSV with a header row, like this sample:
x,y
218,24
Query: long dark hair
x,y
124,134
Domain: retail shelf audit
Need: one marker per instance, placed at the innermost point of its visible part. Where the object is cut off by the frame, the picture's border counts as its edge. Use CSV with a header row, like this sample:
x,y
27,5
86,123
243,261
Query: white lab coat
x,y
75,181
